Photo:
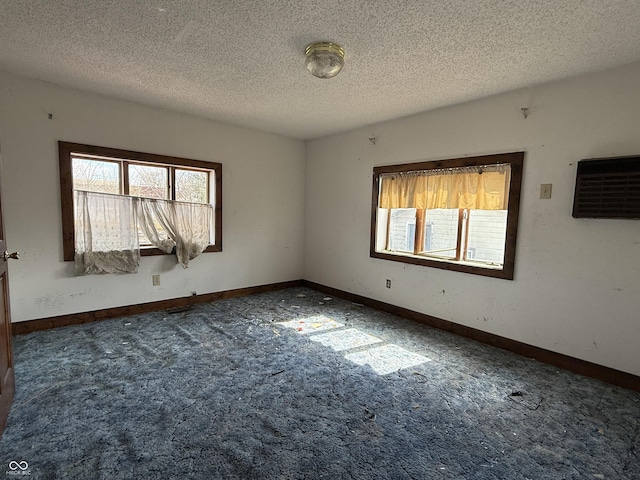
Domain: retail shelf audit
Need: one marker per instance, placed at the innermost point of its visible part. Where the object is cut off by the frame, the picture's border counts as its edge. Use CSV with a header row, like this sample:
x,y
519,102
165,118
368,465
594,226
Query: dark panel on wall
x,y
608,188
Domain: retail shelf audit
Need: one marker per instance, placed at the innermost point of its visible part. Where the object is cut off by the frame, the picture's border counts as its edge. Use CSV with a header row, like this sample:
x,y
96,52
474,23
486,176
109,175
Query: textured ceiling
x,y
242,61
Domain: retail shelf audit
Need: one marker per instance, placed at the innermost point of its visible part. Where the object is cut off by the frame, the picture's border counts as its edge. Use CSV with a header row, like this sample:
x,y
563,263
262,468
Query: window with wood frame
x,y
458,214
122,172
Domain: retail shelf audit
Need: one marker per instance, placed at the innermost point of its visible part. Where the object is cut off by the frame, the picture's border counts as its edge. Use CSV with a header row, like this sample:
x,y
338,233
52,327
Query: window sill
x,y
467,266
152,251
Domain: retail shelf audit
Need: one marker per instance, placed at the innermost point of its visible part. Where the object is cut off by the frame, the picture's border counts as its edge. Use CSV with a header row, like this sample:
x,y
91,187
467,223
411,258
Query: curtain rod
x,y
502,167
134,197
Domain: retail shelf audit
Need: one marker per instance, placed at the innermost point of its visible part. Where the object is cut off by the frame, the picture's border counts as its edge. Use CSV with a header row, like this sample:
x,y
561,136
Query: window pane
x,y
150,182
402,229
96,175
191,186
447,235
441,232
487,235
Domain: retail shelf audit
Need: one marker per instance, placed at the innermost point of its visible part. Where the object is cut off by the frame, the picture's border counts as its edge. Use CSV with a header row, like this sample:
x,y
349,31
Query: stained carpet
x,y
296,385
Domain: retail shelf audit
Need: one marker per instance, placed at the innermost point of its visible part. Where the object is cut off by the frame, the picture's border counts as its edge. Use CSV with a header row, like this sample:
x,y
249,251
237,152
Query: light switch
x,y
545,190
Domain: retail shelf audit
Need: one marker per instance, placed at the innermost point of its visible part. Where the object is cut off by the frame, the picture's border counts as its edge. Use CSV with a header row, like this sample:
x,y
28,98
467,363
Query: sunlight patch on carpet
x,y
313,324
345,339
387,359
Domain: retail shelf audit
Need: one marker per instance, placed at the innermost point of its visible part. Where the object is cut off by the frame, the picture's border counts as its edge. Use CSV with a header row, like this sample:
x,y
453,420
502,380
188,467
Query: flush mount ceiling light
x,y
324,59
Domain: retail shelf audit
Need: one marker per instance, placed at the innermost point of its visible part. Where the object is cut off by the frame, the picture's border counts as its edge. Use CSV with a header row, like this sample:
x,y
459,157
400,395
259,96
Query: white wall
x,y
263,198
576,289
577,282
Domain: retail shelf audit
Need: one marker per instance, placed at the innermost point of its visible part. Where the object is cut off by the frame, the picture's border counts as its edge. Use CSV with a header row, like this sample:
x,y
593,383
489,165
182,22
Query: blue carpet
x,y
295,385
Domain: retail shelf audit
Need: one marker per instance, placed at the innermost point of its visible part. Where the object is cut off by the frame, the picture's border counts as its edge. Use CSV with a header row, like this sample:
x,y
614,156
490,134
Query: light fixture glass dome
x,y
324,59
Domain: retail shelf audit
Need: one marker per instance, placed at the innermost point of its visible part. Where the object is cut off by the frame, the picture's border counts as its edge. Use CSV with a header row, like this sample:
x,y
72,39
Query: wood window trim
x,y
419,233
65,153
516,161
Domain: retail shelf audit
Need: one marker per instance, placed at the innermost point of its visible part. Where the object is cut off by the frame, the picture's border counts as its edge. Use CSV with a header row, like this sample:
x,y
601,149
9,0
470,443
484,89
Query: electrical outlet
x,y
545,191
155,279
388,283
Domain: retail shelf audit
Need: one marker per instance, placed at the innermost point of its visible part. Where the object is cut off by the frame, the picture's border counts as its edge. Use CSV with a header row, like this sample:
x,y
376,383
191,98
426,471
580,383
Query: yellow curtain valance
x,y
458,188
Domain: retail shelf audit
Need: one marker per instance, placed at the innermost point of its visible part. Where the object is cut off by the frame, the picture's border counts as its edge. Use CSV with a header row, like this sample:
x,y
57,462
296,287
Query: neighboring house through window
x,y
457,214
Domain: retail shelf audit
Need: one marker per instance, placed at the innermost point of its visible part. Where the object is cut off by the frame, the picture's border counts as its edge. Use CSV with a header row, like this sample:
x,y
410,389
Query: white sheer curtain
x,y
168,224
106,234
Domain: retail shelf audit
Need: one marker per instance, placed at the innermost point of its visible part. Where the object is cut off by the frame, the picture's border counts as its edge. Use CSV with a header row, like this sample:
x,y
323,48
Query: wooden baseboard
x,y
582,367
20,328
